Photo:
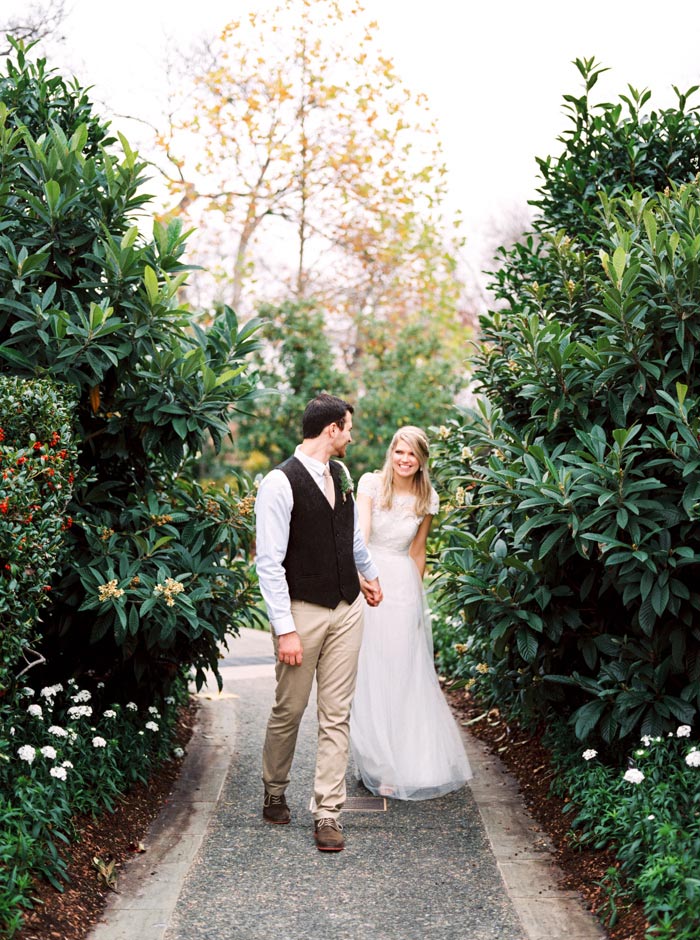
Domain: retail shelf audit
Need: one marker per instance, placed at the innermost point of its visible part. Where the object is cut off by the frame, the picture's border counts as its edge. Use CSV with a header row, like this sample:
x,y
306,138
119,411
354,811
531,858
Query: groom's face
x,y
341,437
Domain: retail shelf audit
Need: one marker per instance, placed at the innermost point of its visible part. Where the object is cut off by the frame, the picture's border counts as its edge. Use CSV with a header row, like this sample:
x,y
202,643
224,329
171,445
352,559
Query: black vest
x,y
320,561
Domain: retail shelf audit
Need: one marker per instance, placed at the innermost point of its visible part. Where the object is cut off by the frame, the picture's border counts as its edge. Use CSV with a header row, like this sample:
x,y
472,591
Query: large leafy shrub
x,y
87,299
575,544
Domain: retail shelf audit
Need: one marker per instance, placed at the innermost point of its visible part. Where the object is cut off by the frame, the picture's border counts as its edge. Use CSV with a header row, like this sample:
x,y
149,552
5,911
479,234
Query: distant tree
x,y
308,165
401,377
408,377
36,22
296,364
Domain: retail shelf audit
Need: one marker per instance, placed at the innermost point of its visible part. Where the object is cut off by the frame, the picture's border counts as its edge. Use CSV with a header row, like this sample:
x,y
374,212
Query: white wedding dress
x,y
405,742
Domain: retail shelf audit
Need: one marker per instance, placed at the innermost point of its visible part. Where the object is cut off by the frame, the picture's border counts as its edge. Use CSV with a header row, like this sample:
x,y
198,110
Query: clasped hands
x,y
372,591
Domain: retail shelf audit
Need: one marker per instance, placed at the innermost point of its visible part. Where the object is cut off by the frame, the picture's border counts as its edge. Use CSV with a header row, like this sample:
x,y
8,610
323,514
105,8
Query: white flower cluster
x,y
589,754
693,758
633,775
169,590
82,696
79,711
35,711
151,726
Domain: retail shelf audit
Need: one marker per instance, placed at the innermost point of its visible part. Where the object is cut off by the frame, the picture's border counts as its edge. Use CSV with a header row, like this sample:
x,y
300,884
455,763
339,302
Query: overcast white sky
x,y
494,70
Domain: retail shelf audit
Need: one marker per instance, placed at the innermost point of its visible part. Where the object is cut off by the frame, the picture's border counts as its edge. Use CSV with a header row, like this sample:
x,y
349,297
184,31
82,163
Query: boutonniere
x,y
346,484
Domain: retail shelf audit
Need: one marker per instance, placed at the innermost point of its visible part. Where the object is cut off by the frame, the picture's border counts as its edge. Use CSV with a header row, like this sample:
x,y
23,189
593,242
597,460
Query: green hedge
x,y
37,474
574,560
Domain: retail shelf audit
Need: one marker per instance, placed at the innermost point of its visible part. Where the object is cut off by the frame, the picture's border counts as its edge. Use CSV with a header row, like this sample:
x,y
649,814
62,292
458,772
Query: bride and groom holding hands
x,y
342,583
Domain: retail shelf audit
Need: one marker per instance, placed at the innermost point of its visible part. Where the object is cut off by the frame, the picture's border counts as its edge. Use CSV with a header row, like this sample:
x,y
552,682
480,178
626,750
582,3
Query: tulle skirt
x,y
404,740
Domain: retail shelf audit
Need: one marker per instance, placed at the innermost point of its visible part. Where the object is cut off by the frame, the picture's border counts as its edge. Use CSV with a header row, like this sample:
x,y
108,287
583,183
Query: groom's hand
x,y
372,591
289,649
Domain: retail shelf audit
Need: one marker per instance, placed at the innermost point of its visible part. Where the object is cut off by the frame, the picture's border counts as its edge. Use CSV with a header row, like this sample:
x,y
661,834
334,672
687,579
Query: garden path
x,y
469,866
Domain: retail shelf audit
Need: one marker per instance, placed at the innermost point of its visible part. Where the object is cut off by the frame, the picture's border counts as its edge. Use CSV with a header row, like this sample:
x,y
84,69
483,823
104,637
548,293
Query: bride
x,y
404,740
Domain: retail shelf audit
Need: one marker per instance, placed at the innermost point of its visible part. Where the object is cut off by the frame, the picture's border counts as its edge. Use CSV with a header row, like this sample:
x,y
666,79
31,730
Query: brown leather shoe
x,y
275,809
328,834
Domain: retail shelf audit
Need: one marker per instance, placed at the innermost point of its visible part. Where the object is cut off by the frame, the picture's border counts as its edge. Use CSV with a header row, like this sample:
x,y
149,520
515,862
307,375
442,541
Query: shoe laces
x,y
274,799
329,822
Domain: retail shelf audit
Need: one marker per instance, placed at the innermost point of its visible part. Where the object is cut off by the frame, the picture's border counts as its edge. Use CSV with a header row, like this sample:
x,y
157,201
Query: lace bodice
x,y
393,529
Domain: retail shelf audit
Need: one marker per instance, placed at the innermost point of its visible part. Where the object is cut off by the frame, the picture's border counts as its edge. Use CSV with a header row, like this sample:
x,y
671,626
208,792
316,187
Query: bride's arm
x,y
364,510
417,549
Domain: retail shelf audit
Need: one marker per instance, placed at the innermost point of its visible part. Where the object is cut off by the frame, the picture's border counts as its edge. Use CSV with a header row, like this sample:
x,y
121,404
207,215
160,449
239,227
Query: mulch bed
x,y
529,762
72,913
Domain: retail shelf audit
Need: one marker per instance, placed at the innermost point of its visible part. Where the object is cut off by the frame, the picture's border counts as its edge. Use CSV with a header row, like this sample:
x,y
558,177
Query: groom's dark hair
x,y
322,411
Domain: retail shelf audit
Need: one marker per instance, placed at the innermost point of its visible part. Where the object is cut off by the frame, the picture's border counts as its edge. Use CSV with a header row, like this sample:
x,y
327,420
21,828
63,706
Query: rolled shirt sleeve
x,y
273,510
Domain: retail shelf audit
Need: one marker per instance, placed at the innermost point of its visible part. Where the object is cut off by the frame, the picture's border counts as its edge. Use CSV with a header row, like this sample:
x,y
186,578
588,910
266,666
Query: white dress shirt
x,y
273,511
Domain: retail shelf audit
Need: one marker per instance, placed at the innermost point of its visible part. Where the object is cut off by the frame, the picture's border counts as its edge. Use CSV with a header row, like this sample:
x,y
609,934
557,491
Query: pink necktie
x,y
328,486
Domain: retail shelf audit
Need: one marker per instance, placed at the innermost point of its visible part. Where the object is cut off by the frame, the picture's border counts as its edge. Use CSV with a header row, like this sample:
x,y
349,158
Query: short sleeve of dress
x,y
434,503
368,485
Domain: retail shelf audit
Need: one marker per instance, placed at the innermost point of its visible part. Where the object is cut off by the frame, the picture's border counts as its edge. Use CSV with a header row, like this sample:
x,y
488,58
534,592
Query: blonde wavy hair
x,y
417,440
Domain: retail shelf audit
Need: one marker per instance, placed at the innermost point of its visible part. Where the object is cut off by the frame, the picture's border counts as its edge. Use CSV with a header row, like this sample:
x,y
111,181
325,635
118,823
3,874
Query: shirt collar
x,y
312,465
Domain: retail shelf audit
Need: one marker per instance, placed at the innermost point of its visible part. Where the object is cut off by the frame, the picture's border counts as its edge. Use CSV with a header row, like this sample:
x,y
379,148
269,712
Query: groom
x,y
309,549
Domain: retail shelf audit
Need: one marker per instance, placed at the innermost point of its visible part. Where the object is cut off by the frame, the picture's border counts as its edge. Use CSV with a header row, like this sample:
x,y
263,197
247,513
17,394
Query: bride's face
x,y
404,462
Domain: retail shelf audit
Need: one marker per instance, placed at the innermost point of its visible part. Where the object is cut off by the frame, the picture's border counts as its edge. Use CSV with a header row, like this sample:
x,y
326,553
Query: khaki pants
x,y
331,645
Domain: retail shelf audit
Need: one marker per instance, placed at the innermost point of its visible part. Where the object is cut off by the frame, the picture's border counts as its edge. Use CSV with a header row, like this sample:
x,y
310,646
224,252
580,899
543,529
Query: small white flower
x,y
646,740
132,706
72,682
80,711
589,754
693,759
68,764
58,732
651,816
60,772
154,711
151,725
634,776
178,752
49,752
26,752
35,711
26,691
82,696
50,691
141,732
683,731
109,713
100,685
169,700
99,742
640,753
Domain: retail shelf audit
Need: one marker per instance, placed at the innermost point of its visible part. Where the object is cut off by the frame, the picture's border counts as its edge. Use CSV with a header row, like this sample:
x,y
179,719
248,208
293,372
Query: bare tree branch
x,y
38,21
